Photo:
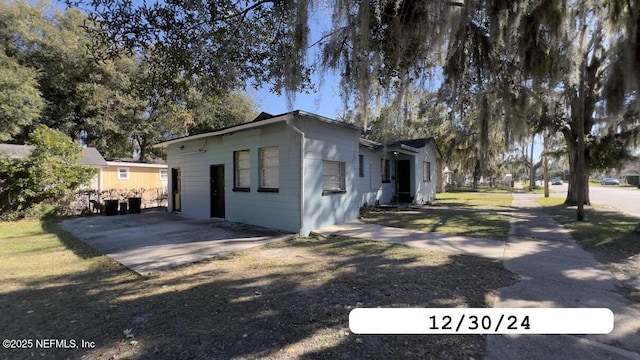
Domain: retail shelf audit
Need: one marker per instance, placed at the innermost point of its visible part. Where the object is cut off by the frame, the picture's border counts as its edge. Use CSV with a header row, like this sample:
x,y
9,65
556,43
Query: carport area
x,y
153,241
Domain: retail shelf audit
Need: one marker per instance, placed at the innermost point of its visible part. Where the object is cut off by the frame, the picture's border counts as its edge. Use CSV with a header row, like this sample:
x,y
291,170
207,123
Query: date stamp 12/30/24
x,y
481,321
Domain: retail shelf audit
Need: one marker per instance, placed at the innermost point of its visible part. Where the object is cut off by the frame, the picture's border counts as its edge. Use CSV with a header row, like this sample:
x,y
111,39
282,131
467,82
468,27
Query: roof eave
x,y
229,130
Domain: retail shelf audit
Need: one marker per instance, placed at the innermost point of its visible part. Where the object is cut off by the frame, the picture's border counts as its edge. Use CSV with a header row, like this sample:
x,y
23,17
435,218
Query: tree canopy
x,y
51,171
53,73
499,63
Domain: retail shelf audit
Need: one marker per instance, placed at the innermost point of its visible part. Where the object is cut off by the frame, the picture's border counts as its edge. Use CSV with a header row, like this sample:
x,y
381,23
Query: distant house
x,y
129,175
295,171
90,157
115,175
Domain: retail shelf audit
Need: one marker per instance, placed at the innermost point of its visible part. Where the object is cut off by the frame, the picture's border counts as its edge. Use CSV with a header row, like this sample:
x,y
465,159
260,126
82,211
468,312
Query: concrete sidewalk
x,y
491,249
556,272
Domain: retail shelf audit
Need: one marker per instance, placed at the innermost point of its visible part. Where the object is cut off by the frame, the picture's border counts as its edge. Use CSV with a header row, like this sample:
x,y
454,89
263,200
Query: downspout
x,y
302,146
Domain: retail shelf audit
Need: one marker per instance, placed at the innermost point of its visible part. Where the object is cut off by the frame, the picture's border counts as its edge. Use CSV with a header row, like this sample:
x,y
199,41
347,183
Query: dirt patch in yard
x,y
285,300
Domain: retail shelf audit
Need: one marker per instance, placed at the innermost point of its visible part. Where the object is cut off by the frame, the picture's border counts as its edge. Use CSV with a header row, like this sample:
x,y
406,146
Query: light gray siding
x,y
303,142
425,190
275,210
325,141
372,190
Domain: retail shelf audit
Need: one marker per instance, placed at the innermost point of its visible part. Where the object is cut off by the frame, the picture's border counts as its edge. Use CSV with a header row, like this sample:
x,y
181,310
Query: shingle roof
x,y
414,143
16,151
134,160
261,119
90,156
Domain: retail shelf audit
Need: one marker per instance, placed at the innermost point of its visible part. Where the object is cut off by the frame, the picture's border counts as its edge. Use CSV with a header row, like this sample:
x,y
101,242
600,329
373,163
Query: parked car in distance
x,y
609,181
556,181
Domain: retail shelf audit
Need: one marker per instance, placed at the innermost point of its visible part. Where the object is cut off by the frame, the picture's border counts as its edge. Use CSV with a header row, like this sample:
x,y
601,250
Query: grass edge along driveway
x,y
286,300
474,214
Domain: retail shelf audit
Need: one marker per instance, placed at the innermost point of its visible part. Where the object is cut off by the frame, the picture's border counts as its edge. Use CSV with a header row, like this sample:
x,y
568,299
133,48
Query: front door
x,y
404,177
175,189
216,182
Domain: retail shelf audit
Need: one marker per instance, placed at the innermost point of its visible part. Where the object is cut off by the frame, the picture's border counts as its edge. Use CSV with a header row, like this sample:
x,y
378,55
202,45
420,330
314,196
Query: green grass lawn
x,y
609,235
606,233
474,214
495,201
286,300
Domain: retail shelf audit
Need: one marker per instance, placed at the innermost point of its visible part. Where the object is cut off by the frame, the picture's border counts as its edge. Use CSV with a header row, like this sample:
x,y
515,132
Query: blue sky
x,y
325,100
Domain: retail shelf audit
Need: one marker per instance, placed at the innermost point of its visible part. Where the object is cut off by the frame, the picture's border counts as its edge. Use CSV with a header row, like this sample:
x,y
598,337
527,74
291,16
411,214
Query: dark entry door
x,y
175,189
216,180
404,176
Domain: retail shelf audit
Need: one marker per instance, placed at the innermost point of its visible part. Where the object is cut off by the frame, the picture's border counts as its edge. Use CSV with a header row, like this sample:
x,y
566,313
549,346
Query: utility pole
x,y
545,163
532,177
580,185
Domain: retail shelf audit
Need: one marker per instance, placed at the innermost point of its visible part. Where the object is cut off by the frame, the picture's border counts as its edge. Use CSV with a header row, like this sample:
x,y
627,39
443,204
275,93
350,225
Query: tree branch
x,y
244,12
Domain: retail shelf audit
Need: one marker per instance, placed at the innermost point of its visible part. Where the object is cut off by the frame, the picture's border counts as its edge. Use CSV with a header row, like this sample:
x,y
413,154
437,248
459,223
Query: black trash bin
x,y
123,208
111,207
135,204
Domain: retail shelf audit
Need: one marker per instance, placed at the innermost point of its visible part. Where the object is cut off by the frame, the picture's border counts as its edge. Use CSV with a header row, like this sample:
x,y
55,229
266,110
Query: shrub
x,y
50,173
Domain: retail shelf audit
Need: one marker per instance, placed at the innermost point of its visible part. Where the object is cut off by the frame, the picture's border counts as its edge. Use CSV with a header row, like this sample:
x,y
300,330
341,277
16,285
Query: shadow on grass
x,y
609,235
487,224
79,248
285,300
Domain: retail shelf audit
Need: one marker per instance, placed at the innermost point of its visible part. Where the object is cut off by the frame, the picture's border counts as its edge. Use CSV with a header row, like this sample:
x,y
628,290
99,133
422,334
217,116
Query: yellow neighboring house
x,y
133,177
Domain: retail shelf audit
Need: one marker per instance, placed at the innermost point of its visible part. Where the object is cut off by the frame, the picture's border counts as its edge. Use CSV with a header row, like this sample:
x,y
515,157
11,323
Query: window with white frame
x,y
269,169
164,174
242,170
333,177
426,171
123,173
385,169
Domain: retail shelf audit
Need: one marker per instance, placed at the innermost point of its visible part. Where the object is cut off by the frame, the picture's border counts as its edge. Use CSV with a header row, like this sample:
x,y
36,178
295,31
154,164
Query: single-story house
x,y
90,155
295,172
118,175
127,175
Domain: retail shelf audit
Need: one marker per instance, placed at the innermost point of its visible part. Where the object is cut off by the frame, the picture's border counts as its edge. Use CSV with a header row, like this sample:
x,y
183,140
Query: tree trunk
x,y
532,174
546,164
572,192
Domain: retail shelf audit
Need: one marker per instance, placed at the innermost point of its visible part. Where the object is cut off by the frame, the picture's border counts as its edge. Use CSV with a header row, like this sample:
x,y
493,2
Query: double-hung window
x,y
426,171
269,169
242,170
333,177
123,173
385,169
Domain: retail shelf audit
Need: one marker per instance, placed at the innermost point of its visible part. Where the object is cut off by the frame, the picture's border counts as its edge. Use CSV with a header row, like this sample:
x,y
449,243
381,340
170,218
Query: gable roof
x,y
261,120
415,144
90,155
15,151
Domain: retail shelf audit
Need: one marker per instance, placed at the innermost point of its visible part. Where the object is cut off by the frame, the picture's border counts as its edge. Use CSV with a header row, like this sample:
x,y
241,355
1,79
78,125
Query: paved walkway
x,y
555,272
491,249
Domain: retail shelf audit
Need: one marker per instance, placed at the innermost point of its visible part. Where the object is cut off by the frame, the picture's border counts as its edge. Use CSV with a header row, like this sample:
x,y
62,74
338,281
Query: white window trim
x,y
275,169
385,170
166,174
340,181
119,174
237,169
426,169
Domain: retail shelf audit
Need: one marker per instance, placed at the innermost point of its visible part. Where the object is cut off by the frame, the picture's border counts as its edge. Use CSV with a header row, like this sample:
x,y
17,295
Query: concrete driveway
x,y
154,241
